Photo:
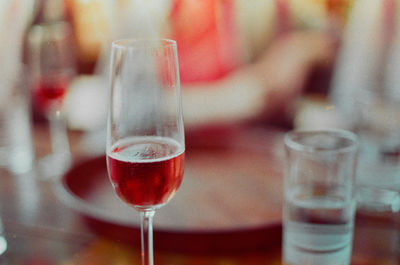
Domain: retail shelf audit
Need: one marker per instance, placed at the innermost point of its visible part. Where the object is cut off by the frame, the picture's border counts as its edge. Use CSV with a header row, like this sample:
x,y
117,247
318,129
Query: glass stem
x,y
146,227
59,138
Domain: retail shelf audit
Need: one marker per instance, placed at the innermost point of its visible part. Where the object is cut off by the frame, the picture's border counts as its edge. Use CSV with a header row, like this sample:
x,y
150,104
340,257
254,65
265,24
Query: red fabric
x,y
283,12
206,37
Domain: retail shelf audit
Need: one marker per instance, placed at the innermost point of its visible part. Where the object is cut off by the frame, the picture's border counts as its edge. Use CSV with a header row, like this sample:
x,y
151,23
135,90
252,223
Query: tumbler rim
x,y
292,143
140,43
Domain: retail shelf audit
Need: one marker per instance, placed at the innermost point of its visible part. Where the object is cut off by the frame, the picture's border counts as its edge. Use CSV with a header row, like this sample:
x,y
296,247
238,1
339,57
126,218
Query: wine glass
x,y
368,100
145,135
51,68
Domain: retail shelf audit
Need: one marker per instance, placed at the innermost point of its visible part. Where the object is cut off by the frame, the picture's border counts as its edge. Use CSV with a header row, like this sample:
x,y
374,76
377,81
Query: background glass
x,y
16,141
51,69
368,101
145,134
319,201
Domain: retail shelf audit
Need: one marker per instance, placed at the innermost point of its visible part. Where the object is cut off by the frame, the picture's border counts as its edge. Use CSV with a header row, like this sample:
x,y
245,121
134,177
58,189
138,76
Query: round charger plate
x,y
230,197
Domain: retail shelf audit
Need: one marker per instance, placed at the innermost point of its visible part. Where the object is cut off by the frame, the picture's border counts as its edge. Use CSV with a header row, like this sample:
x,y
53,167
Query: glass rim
x,y
130,43
296,145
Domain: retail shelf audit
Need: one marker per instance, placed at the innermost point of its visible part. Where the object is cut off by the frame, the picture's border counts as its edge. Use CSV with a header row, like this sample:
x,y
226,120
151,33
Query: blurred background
x,y
268,62
271,64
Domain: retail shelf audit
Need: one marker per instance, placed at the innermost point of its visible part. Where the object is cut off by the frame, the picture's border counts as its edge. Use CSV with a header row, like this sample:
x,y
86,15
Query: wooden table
x,y
40,229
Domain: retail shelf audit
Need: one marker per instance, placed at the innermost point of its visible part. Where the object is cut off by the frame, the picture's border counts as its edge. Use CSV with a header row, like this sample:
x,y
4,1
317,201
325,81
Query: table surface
x,y
41,229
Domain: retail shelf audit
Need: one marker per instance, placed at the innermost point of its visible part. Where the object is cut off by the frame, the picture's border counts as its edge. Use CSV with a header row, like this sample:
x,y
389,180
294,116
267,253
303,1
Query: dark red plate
x,y
229,200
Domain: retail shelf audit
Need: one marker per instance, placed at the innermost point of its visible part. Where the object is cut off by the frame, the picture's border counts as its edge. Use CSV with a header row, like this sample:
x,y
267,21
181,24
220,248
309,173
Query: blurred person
x,y
246,61
239,61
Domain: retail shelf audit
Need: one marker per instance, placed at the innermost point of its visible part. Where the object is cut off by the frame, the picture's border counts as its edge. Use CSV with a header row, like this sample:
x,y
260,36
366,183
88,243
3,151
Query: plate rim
x,y
75,202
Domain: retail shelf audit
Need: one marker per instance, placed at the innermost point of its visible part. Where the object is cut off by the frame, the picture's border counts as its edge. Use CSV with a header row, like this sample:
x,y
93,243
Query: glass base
x,y
53,165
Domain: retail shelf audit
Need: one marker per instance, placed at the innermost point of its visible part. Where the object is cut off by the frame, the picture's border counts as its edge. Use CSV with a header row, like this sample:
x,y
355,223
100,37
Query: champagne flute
x,y
145,135
52,67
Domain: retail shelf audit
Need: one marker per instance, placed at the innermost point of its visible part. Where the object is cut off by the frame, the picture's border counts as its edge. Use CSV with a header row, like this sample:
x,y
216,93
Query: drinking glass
x,y
145,134
51,68
319,201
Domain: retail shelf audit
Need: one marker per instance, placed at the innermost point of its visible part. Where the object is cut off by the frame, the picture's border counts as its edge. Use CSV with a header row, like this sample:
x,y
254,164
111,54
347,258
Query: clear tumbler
x,y
319,197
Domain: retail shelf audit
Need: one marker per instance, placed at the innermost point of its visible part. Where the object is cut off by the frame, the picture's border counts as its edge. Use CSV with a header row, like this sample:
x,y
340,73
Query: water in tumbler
x,y
318,228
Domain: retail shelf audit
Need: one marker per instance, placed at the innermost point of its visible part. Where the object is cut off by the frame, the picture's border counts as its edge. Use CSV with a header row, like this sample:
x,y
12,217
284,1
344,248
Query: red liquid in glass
x,y
49,92
146,171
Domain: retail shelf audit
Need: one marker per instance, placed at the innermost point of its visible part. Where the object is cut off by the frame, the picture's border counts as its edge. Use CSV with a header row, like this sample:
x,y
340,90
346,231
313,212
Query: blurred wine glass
x,y
366,94
366,90
51,69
